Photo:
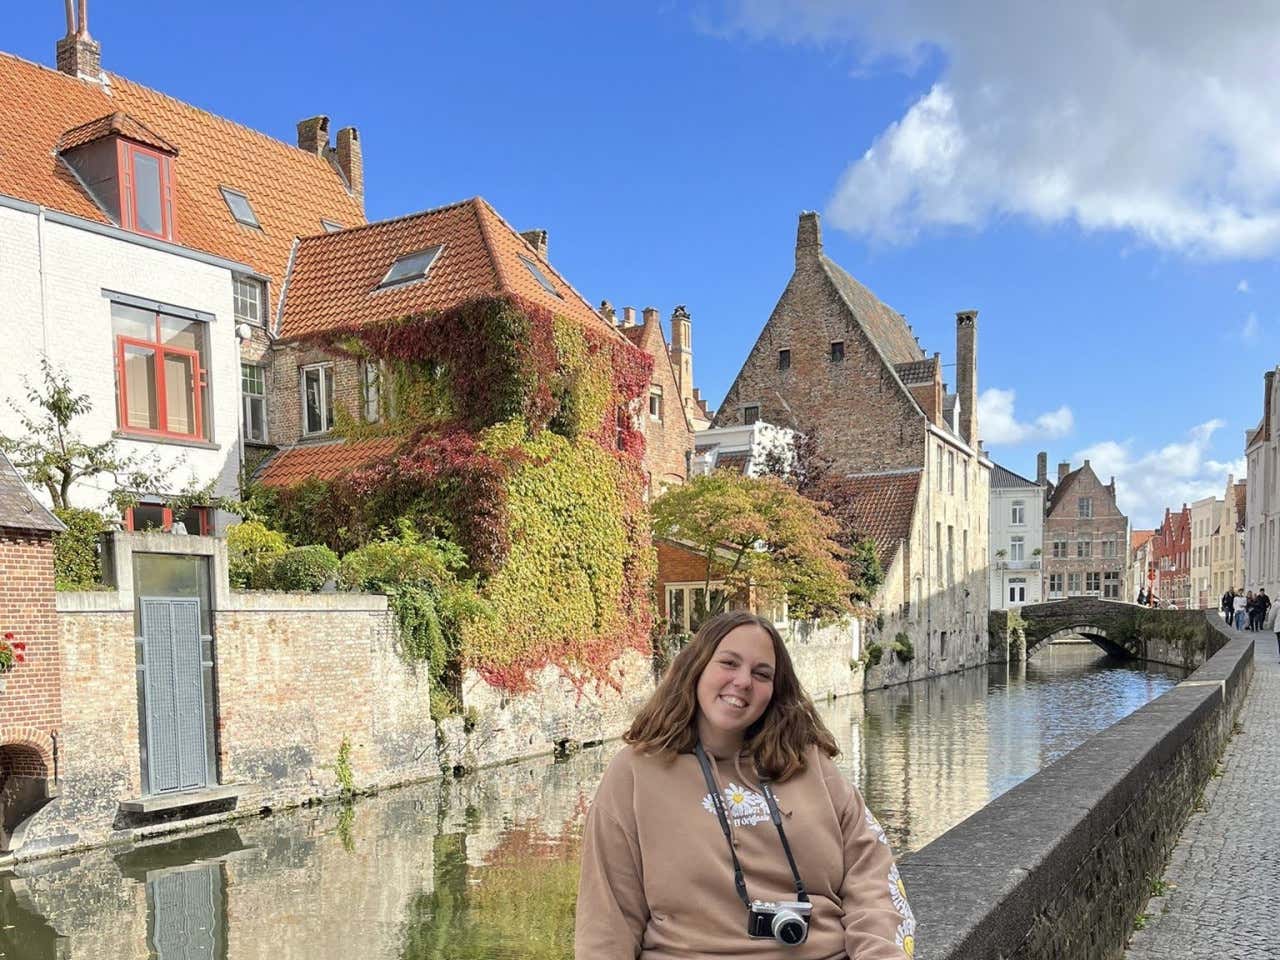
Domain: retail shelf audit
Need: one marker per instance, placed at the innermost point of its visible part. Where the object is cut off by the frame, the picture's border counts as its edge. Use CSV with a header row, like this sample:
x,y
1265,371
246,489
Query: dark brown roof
x,y
19,510
885,326
917,371
1003,477
333,284
881,506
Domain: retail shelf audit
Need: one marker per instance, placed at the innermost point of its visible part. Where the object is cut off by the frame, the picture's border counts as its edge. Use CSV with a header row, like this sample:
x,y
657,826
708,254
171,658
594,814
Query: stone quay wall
x,y
1059,866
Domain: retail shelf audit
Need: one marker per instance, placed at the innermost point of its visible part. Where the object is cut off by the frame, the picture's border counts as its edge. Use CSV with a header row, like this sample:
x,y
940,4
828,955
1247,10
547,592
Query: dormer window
x,y
541,277
127,169
411,267
241,210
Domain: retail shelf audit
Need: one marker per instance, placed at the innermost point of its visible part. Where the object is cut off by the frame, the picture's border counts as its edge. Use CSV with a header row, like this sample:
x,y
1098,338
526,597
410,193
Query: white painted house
x,y
1262,505
1016,538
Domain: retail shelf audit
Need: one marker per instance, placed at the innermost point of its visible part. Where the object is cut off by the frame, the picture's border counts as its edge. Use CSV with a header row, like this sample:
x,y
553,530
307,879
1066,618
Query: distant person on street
x,y
1226,606
1262,603
1250,609
1238,609
1142,597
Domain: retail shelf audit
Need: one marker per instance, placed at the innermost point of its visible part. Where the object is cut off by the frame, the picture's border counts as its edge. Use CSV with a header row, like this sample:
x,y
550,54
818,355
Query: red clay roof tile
x,y
334,282
324,461
115,123
291,190
882,506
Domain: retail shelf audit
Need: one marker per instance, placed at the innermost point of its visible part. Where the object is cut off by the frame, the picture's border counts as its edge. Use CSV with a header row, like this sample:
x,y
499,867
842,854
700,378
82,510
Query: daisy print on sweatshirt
x,y
744,807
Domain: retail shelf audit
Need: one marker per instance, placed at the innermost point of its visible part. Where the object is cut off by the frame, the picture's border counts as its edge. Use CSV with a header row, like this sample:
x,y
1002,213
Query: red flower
x,y
8,635
20,658
20,645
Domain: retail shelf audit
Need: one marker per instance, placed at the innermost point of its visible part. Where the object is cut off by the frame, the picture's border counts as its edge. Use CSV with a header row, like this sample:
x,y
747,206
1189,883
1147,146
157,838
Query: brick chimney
x,y
651,315
607,311
313,135
1063,469
628,316
967,374
808,237
536,239
1268,383
78,54
1042,468
351,162
681,351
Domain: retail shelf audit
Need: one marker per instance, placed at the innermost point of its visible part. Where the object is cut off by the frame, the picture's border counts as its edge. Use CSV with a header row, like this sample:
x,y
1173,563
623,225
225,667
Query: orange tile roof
x,y
116,123
324,461
1138,537
881,506
333,284
291,190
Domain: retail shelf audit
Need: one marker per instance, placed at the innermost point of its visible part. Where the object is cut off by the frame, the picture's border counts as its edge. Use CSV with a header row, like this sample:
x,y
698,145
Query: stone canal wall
x,y
1061,864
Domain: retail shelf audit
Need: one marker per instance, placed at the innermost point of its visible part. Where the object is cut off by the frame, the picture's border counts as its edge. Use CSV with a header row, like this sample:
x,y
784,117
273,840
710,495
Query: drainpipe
x,y
53,735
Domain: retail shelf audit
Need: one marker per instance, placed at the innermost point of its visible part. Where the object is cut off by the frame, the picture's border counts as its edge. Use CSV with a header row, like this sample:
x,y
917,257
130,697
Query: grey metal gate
x,y
177,757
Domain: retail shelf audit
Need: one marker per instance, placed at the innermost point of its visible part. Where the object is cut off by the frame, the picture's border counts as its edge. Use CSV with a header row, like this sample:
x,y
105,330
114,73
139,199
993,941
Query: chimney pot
x,y
808,237
967,373
313,135
650,315
628,316
78,54
607,311
351,161
536,239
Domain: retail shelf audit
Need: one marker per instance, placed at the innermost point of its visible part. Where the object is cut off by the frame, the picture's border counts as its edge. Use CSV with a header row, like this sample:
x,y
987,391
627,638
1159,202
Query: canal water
x,y
486,866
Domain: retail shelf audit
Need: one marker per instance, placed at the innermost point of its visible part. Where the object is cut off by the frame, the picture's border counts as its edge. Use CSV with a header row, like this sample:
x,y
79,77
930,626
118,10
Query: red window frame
x,y
125,153
162,394
202,514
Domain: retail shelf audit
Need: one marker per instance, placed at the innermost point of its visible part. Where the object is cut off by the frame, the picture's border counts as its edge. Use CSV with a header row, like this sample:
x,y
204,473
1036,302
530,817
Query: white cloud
x,y
1251,328
998,424
1157,119
1169,476
1242,286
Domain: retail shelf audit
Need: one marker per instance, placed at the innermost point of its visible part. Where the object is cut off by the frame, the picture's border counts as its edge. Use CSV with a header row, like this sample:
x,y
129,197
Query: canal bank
x,y
486,865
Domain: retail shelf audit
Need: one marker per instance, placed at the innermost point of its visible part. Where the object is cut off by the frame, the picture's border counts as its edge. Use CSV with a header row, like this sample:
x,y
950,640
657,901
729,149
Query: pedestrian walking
x,y
729,724
1264,605
1142,596
1251,609
1238,609
1225,605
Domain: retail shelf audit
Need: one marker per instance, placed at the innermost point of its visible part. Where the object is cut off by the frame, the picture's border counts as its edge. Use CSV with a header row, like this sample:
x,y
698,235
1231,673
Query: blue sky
x,y
1100,187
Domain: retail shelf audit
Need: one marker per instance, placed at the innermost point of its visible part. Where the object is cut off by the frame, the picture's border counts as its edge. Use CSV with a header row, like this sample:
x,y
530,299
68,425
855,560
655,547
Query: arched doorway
x,y
24,787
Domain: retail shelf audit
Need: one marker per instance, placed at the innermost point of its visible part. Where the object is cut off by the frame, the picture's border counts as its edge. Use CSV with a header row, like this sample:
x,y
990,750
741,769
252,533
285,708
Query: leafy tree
x,y
758,531
52,454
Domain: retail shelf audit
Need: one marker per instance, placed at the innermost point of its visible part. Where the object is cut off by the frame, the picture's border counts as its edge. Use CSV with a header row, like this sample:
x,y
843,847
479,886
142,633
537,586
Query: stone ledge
x,y
186,798
1022,871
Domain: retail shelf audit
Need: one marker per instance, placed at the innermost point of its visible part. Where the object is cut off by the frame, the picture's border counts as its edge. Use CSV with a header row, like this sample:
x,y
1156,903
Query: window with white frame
x,y
1084,507
1073,583
1018,513
316,383
1017,590
655,402
689,605
951,471
376,395
1017,547
1084,549
1109,548
253,398
939,452
1055,584
1093,582
1111,585
1060,549
247,296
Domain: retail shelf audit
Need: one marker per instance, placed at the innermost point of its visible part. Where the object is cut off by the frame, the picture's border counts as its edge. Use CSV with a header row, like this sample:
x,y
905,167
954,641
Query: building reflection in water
x,y
486,867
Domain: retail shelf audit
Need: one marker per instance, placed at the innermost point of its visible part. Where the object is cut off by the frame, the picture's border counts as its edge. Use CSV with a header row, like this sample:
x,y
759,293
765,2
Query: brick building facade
x,y
1086,551
836,362
31,691
1171,557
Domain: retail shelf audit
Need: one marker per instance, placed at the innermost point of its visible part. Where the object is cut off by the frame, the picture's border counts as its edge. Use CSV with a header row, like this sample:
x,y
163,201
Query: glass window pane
x,y
148,516
256,419
146,193
697,608
180,393
313,400
177,332
141,396
127,321
253,379
675,608
413,266
328,397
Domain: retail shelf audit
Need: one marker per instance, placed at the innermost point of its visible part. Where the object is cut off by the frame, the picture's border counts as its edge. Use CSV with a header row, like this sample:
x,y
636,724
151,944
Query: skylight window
x,y
541,277
331,226
411,267
239,206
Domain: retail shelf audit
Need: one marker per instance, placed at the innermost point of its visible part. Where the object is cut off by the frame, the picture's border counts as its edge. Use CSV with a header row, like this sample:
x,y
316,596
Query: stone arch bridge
x,y
1183,638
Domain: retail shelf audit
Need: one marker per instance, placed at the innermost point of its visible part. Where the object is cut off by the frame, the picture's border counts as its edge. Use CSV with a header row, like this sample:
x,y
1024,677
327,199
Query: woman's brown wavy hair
x,y
777,742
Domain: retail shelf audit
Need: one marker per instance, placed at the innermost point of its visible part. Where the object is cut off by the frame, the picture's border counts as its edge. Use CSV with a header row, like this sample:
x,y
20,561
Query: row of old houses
x,y
199,282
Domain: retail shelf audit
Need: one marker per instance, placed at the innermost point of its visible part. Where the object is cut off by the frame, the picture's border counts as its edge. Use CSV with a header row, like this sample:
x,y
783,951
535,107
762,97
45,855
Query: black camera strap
x,y
775,815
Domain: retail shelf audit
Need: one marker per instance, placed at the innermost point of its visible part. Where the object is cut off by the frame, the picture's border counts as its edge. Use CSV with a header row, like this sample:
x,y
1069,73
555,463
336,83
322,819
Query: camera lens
x,y
788,928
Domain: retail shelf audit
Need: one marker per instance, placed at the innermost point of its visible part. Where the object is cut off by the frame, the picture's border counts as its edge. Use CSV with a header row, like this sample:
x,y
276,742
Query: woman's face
x,y
736,684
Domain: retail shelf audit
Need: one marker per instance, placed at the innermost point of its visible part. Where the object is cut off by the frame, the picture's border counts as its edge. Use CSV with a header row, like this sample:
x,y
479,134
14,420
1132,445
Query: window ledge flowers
x,y
12,652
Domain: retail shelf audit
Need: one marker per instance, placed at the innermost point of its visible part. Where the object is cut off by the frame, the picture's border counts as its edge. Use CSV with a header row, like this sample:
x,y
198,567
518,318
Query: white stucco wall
x,y
1005,571
1262,540
52,277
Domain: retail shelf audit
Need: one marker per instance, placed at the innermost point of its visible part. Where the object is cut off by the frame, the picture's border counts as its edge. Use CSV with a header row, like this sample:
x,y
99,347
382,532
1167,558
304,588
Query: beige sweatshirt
x,y
657,879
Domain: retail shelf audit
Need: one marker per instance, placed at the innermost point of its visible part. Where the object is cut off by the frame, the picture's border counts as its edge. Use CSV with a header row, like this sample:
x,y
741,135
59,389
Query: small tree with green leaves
x,y
758,532
51,453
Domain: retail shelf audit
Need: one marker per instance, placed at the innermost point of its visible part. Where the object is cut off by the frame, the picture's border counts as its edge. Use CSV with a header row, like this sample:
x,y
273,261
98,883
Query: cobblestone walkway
x,y
1223,895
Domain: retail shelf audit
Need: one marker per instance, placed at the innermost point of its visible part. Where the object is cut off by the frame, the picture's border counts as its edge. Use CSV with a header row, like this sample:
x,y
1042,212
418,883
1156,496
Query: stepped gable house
x,y
1171,554
146,243
833,359
1086,536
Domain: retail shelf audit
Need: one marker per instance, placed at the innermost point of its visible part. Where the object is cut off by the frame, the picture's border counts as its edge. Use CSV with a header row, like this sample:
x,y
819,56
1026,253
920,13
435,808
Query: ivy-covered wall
x,y
520,446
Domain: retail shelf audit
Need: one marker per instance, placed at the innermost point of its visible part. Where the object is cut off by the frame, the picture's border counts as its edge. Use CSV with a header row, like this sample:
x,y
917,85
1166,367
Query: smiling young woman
x,y
726,786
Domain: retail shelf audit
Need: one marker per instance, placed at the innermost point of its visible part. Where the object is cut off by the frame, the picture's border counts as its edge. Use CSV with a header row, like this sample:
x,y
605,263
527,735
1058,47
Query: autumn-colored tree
x,y
758,532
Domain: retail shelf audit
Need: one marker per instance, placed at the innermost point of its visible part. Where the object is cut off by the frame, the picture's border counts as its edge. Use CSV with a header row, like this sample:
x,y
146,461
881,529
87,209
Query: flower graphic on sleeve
x,y
906,937
876,829
898,893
